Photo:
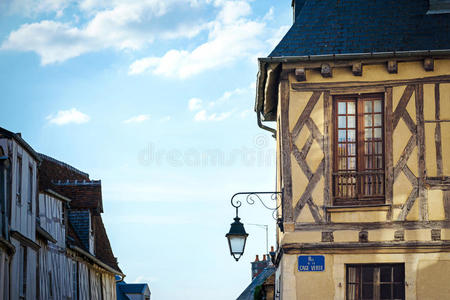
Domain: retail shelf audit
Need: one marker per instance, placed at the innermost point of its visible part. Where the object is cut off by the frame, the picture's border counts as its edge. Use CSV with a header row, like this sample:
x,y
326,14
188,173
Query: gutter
x,y
349,56
57,195
96,260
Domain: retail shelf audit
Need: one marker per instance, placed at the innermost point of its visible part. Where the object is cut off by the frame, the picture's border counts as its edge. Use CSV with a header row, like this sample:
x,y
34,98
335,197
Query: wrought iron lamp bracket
x,y
252,197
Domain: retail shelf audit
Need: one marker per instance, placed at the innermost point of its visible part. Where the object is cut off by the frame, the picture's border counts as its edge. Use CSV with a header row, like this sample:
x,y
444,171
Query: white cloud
x,y
121,25
137,119
277,36
228,98
195,104
64,117
231,37
147,279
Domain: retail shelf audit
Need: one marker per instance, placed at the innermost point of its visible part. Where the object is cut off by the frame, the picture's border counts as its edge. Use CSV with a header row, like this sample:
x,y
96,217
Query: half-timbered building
x,y
360,93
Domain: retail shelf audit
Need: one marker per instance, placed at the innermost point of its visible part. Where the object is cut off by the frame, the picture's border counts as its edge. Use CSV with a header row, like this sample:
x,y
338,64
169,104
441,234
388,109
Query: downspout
x,y
262,126
262,76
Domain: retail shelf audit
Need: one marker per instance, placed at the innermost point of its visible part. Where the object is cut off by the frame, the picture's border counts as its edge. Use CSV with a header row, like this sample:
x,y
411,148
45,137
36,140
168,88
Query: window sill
x,y
367,207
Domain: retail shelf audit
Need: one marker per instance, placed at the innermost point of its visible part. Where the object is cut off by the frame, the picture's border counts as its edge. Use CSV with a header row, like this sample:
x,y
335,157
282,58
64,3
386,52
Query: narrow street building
x,y
19,209
360,93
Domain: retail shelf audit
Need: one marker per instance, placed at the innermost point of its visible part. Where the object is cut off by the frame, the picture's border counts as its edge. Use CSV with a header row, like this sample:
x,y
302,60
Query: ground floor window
x,y
375,281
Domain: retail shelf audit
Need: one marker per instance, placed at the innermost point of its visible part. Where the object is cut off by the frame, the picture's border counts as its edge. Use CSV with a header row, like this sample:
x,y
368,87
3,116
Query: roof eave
x,y
95,260
263,61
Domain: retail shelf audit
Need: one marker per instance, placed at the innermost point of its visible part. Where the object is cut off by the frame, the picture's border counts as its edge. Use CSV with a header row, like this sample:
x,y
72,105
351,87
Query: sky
x,y
155,98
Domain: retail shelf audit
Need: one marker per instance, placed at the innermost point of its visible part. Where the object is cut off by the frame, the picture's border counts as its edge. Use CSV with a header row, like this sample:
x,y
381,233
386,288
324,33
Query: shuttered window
x,y
358,175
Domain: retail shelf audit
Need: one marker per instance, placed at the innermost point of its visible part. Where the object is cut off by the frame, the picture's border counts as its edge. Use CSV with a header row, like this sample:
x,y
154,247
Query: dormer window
x,y
439,7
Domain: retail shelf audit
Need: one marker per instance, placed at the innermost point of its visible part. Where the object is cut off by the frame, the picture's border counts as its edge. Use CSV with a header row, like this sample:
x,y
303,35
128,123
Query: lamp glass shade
x,y
236,239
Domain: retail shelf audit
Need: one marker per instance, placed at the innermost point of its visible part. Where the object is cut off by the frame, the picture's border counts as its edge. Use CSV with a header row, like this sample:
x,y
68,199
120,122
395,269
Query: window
x,y
30,190
75,280
375,282
23,272
358,166
19,179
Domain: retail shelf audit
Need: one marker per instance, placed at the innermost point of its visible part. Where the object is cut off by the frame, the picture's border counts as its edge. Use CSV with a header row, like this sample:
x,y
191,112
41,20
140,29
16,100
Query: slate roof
x,y
133,288
248,293
329,27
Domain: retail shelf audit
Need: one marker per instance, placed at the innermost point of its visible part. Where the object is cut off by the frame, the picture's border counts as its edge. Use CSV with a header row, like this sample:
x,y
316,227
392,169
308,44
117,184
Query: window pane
x,y
368,147
385,274
368,134
399,291
377,106
341,108
342,122
379,148
342,164
352,163
367,106
351,135
351,149
351,274
351,292
379,161
342,135
377,120
367,274
399,274
351,108
351,122
341,149
377,133
367,291
385,291
368,120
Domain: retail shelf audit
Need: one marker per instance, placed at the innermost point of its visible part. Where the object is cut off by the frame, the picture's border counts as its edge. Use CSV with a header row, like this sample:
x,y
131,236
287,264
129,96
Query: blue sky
x,y
137,94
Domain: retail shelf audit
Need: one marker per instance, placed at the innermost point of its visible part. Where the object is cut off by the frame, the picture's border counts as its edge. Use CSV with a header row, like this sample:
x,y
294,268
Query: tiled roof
x,y
71,183
53,170
359,26
103,250
248,293
82,195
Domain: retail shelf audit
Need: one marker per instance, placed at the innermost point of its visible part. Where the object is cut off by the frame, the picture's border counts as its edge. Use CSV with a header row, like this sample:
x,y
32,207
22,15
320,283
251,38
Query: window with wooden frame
x,y
375,282
358,148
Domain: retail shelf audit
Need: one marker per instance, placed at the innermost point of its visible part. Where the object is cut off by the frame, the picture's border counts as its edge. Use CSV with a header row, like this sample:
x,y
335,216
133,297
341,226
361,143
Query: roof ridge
x,y
76,182
63,164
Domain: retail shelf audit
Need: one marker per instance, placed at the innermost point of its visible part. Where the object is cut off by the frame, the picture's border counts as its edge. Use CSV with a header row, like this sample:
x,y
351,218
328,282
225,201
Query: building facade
x,y
53,243
360,93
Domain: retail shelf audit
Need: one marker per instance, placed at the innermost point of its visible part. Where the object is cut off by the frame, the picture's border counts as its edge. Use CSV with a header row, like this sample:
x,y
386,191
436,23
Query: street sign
x,y
311,263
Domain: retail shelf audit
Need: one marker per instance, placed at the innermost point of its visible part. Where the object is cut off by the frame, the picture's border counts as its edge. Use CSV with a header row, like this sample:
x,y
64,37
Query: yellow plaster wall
x,y
381,235
428,99
418,235
430,146
346,236
444,96
426,275
302,237
433,278
445,137
297,103
401,135
358,216
436,210
378,72
316,285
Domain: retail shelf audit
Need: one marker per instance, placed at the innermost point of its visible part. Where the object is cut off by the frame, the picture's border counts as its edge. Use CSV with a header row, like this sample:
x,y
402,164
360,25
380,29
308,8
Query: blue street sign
x,y
311,263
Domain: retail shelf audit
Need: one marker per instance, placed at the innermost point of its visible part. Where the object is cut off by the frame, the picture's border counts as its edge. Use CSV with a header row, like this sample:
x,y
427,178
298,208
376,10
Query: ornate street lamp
x,y
237,236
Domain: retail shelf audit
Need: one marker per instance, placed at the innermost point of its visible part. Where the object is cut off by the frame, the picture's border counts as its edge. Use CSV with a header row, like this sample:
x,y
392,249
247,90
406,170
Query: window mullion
x,y
376,283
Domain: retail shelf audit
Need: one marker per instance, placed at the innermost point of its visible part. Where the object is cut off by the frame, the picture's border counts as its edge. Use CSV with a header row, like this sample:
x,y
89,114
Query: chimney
x,y
297,6
259,265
